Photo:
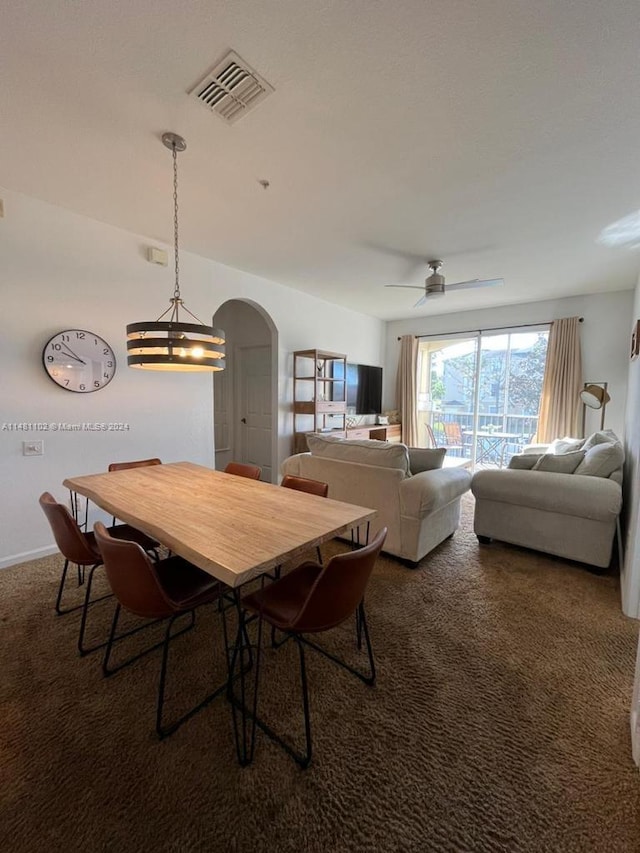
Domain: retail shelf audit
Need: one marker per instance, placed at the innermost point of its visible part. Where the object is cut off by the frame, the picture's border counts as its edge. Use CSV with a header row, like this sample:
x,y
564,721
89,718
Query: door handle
x,y
243,420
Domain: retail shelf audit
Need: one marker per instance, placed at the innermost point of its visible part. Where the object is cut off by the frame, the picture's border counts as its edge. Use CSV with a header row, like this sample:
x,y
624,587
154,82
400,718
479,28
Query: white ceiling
x,y
499,135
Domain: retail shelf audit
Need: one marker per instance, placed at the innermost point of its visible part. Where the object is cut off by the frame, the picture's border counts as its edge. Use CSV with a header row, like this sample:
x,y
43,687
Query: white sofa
x,y
572,515
420,509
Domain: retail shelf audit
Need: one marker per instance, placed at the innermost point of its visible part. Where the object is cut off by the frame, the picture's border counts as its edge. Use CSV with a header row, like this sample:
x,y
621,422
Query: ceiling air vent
x,y
231,88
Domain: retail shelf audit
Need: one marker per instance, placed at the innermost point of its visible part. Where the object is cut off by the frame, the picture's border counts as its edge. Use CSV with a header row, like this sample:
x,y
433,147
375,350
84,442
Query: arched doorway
x,y
245,393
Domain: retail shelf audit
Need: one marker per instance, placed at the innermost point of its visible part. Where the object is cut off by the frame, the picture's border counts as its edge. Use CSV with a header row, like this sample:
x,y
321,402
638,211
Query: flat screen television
x,y
364,388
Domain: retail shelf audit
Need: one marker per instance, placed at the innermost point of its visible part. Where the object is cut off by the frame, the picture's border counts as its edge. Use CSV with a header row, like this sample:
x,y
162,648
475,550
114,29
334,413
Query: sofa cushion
x,y
524,461
426,458
560,463
565,445
601,460
382,454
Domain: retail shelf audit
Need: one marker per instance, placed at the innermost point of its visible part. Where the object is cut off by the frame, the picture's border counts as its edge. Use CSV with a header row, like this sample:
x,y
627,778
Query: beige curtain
x,y
407,389
560,401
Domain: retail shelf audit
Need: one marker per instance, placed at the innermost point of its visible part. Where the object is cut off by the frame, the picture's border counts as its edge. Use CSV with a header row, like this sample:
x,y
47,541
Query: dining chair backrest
x,y
139,463
304,484
131,576
431,435
71,541
251,472
453,433
339,588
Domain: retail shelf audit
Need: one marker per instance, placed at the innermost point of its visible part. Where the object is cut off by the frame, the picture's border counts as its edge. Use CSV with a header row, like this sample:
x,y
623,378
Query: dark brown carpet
x,y
500,722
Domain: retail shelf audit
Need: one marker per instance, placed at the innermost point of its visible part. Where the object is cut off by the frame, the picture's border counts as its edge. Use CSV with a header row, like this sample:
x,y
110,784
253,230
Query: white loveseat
x,y
416,499
572,514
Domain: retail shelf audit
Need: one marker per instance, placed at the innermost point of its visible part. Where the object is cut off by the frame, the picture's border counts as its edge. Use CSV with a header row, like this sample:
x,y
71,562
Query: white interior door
x,y
254,407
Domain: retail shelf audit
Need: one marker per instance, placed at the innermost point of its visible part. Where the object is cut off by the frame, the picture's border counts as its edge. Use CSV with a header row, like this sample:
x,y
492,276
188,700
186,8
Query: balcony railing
x,y
522,427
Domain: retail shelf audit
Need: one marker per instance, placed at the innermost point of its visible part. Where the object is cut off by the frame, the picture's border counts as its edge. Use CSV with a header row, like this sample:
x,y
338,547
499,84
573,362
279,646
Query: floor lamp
x,y
595,396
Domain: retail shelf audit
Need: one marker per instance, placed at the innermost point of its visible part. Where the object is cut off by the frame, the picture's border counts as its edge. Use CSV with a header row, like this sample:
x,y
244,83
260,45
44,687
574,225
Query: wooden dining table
x,y
233,528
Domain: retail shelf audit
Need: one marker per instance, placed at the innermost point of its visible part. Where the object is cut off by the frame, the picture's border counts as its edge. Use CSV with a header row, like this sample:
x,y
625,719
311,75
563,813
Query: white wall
x,y
630,579
604,348
60,270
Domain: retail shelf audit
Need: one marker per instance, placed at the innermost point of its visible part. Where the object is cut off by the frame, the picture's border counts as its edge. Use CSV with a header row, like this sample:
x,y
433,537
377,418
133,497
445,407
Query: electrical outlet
x,y
33,448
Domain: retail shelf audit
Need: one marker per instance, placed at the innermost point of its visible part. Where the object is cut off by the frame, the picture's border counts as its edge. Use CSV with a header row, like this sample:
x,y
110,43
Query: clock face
x,y
79,361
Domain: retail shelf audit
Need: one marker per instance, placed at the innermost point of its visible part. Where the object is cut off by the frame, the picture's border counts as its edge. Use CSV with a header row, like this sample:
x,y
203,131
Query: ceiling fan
x,y
434,284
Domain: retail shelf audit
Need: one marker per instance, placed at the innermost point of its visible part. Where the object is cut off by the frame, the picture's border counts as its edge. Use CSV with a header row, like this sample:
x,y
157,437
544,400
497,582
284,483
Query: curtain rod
x,y
494,329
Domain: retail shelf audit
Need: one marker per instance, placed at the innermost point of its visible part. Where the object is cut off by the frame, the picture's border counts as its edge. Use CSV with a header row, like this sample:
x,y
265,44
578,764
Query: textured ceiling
x,y
499,135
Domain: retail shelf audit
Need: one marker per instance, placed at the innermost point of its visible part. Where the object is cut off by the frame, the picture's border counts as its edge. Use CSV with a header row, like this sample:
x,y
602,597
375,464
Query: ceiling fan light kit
x,y
172,344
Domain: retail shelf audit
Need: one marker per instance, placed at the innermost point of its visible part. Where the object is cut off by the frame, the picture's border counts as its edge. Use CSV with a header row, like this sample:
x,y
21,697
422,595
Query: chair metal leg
x,y
369,679
303,761
62,610
63,577
106,670
85,609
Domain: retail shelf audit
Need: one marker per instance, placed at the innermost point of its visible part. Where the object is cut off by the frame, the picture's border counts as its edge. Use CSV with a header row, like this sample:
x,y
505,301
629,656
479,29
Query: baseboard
x,y
25,556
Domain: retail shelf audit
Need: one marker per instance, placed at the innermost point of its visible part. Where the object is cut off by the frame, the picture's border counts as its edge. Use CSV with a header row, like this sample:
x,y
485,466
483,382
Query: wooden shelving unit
x,y
319,396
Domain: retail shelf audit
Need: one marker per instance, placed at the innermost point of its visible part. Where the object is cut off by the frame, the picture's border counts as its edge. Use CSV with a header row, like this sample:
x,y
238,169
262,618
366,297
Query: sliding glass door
x,y
479,395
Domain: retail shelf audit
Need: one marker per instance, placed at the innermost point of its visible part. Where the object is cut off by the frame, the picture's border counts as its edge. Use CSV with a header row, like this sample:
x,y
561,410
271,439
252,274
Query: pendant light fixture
x,y
171,344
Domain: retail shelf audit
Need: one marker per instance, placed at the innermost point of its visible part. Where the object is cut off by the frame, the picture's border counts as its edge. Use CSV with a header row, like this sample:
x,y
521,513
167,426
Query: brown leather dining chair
x,y
309,600
165,590
138,463
311,487
251,472
79,547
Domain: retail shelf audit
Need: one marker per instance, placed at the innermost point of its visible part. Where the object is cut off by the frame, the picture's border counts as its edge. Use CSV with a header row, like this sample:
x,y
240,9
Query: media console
x,y
391,432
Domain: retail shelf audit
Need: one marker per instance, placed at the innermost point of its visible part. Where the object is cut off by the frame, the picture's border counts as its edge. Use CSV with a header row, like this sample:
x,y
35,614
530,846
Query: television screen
x,y
364,388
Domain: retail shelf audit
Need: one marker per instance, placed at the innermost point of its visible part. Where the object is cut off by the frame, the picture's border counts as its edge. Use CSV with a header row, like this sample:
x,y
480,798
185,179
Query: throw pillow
x,y
384,454
426,458
605,436
560,463
601,460
565,445
524,461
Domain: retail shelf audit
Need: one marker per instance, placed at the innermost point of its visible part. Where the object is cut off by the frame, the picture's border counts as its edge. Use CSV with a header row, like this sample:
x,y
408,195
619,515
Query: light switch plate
x,y
33,448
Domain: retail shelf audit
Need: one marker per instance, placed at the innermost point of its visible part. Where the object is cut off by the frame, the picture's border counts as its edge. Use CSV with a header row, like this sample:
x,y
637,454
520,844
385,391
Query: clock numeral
x,y
66,338
106,375
80,336
109,364
105,351
49,358
56,347
66,381
96,384
82,387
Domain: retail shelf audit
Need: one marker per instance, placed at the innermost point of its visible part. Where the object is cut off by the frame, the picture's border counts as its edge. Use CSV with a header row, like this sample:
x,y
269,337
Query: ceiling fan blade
x,y
410,286
475,282
421,301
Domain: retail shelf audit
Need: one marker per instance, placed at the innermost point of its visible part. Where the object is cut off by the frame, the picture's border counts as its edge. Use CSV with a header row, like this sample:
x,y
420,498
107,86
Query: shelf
x,y
318,379
318,414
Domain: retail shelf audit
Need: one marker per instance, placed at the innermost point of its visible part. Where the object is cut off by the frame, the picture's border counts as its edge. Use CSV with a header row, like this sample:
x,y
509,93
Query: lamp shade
x,y
594,396
175,346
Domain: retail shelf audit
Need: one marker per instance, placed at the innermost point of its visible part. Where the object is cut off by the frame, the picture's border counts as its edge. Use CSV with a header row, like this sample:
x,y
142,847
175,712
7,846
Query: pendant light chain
x,y
176,292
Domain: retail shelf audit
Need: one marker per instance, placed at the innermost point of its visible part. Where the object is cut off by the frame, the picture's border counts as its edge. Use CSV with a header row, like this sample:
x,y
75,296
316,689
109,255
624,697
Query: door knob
x,y
243,420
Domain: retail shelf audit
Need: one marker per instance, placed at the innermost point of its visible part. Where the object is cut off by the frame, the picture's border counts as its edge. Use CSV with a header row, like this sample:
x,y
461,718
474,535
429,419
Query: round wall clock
x,y
79,361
